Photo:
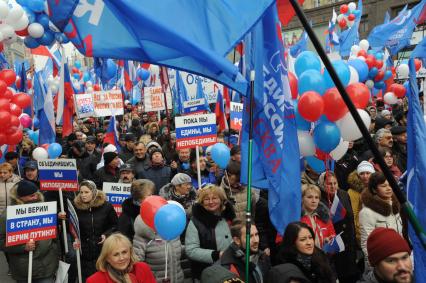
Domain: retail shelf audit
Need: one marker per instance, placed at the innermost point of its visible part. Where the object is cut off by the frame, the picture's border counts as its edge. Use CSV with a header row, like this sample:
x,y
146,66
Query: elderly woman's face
x,y
119,258
212,202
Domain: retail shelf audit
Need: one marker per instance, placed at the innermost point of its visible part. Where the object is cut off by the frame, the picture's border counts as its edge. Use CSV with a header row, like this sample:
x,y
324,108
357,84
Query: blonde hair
x,y
145,139
108,247
6,166
212,189
310,188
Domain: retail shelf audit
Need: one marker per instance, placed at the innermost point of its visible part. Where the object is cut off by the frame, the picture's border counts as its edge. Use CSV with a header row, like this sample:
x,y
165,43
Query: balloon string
x,y
167,255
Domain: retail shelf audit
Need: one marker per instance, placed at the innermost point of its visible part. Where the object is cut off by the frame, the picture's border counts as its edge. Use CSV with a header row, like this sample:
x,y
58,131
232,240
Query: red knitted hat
x,y
383,242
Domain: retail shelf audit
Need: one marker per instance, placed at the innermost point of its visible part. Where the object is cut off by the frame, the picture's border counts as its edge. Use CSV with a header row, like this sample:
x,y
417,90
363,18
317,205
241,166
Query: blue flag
x,y
350,36
44,108
148,31
300,46
397,33
201,95
275,144
181,93
416,166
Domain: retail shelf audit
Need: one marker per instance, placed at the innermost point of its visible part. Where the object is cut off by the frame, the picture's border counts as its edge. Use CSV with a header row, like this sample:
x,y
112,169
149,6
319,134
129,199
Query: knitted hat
x,y
181,178
218,274
154,151
365,166
383,242
26,188
385,112
110,148
109,156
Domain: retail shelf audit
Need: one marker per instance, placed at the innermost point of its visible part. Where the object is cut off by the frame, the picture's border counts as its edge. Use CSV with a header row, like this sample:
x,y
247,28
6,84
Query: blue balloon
x,y
30,14
170,221
311,80
316,164
343,72
143,74
77,64
388,74
76,76
323,118
61,38
54,150
356,13
36,122
34,137
22,2
86,76
111,69
326,136
361,67
379,55
373,72
379,85
36,5
407,88
31,42
307,60
43,19
221,154
47,38
301,123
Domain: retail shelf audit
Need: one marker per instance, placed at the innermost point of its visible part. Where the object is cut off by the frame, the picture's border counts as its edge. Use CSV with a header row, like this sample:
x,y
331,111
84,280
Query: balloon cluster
x,y
14,21
167,218
142,74
38,29
348,15
45,151
320,103
11,104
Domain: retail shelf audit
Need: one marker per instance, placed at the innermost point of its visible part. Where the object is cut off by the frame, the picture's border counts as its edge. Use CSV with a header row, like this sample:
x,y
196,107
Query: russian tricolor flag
x,y
111,136
336,245
220,113
337,210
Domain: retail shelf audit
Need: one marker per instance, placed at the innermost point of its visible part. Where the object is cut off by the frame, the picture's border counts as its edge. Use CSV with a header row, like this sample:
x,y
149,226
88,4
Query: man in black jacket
x,y
140,161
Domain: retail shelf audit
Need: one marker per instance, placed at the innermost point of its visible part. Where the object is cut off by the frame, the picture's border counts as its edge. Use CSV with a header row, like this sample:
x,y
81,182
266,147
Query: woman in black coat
x,y
97,219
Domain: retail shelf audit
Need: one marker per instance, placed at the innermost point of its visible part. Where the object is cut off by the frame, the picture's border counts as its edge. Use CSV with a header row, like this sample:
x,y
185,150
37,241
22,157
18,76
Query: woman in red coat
x,y
118,263
316,215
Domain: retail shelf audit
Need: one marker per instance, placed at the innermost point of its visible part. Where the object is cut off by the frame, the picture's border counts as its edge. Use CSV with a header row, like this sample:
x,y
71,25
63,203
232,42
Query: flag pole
x,y
377,156
250,159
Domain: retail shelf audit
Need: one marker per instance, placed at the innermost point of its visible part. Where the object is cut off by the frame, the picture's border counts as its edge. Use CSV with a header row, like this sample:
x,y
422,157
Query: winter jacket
x,y
320,223
103,175
141,273
139,165
5,191
206,235
150,248
159,175
376,212
125,154
394,170
207,177
238,197
127,218
187,201
356,188
45,255
95,219
347,164
305,179
266,229
285,273
87,167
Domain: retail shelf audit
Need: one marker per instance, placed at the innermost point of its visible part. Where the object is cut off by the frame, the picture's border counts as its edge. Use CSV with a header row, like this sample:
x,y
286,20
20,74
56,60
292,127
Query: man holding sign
x,y
29,225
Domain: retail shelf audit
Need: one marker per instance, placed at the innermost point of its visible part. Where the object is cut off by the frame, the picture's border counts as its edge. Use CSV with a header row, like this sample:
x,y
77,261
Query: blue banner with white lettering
x,y
276,148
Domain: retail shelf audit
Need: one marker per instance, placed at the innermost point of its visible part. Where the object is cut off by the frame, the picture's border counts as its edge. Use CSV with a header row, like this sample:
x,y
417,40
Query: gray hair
x,y
379,134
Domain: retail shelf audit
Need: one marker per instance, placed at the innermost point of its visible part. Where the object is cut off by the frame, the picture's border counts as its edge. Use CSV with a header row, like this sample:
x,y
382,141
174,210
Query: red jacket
x,y
141,273
322,230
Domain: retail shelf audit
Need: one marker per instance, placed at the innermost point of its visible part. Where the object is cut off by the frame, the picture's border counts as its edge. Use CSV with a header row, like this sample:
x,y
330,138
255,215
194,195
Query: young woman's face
x,y
305,242
86,194
5,174
119,258
310,201
388,159
384,191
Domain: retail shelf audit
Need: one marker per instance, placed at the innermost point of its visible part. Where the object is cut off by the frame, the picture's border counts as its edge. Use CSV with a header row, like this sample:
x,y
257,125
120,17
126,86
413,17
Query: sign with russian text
x,y
34,221
116,193
84,105
154,99
108,103
236,116
55,174
193,130
194,106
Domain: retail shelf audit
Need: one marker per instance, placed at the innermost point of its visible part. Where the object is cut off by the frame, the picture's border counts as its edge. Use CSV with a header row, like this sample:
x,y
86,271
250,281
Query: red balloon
x,y
3,139
23,32
18,82
418,64
362,53
351,17
344,9
22,100
15,109
380,75
14,121
29,84
292,81
8,94
342,23
14,136
4,105
371,61
74,70
398,89
379,64
3,87
359,94
4,119
45,146
8,76
1,46
149,207
334,106
311,106
96,87
322,155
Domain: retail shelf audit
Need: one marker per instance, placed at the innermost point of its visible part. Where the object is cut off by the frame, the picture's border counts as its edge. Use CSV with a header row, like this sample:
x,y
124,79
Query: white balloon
x,y
21,23
50,80
340,150
351,23
364,44
89,89
369,84
355,49
4,10
54,88
348,128
390,98
403,71
36,30
352,6
306,143
354,75
361,58
176,203
340,17
11,39
15,13
40,153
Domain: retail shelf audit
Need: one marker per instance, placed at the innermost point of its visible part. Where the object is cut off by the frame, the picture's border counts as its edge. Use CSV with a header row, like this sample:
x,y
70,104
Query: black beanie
x,y
26,188
154,151
108,157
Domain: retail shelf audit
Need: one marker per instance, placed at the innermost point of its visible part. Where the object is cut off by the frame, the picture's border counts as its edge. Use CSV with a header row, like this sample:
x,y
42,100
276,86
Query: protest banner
x,y
116,193
236,116
154,99
195,130
108,103
194,106
33,221
55,174
84,105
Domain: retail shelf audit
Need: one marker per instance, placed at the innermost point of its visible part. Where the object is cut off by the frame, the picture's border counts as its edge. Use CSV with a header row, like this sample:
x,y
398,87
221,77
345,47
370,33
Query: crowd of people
x,y
212,248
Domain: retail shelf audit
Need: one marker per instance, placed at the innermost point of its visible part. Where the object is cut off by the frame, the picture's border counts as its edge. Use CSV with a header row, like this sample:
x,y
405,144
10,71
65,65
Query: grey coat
x,y
150,248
